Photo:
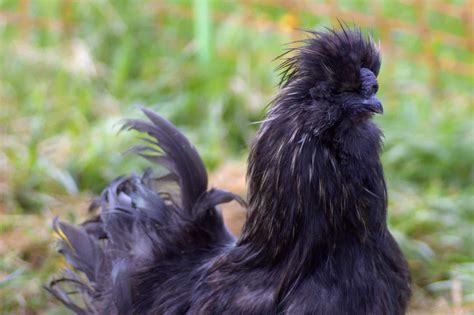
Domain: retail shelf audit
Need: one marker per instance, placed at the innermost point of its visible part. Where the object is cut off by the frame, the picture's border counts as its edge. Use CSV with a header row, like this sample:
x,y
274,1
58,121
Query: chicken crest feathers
x,y
333,58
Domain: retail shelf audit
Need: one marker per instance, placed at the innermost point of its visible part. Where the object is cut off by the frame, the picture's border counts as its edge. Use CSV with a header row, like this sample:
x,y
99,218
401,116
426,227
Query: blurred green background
x,y
71,70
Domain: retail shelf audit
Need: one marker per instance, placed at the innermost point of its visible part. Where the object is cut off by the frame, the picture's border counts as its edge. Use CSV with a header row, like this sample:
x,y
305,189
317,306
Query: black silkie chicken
x,y
315,240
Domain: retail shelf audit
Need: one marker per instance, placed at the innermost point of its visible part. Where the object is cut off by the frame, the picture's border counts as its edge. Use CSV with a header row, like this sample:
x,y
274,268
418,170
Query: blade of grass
x,y
202,30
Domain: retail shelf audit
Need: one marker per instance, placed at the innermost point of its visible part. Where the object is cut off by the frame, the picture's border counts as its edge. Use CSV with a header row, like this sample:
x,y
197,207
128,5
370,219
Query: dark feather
x,y
81,251
180,157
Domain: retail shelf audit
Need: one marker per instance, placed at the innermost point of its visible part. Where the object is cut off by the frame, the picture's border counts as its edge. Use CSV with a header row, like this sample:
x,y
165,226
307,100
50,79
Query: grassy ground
x,y
63,94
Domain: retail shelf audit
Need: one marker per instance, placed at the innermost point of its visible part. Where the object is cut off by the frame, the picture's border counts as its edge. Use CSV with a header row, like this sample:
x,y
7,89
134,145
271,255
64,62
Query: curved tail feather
x,y
178,156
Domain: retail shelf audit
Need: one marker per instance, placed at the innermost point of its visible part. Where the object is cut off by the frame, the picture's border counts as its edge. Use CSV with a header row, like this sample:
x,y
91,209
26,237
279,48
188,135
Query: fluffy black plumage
x,y
316,238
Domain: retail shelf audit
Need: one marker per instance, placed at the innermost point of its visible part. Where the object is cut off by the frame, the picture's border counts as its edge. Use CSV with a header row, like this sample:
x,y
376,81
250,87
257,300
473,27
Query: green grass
x,y
63,96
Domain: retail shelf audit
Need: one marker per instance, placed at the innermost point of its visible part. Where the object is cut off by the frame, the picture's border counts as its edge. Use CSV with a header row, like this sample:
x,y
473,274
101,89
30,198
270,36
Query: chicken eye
x,y
375,88
369,85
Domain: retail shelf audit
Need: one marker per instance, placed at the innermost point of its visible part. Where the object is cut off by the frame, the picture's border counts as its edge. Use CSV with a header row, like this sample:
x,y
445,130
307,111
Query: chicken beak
x,y
373,105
